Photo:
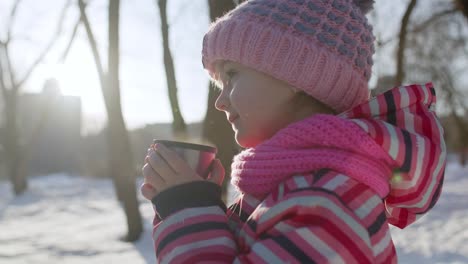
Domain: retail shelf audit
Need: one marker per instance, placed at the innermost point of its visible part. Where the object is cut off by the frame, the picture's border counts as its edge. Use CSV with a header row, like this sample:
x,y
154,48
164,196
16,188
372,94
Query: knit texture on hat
x,y
323,47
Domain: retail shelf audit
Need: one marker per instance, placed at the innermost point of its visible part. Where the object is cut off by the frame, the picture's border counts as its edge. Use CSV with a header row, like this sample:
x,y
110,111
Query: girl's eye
x,y
230,74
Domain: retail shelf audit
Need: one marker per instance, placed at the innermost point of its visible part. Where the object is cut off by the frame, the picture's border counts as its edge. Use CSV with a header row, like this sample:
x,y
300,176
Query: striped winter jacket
x,y
323,217
320,217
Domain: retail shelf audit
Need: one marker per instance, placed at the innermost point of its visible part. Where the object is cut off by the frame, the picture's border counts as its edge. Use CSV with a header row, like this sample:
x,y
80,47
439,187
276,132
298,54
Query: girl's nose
x,y
222,101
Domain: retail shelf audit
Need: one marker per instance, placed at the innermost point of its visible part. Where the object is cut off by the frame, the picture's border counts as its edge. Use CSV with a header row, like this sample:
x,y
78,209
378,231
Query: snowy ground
x,y
69,219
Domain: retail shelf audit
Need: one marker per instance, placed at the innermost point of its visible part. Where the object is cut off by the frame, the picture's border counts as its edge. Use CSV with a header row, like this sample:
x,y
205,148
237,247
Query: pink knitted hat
x,y
323,47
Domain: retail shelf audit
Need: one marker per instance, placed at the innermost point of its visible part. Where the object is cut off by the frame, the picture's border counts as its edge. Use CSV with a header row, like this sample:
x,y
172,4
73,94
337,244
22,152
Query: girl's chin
x,y
244,141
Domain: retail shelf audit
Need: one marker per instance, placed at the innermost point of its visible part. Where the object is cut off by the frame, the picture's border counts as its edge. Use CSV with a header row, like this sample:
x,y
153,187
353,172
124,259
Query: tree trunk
x,y
120,155
14,162
462,5
16,147
462,132
178,126
119,143
216,129
400,71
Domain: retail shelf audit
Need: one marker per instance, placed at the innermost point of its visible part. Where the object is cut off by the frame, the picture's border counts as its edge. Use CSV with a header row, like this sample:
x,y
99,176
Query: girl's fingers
x,y
148,191
152,177
160,165
172,158
217,172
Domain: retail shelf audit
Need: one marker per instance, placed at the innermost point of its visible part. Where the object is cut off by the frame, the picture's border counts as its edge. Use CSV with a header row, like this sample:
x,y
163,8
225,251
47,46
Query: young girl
x,y
325,169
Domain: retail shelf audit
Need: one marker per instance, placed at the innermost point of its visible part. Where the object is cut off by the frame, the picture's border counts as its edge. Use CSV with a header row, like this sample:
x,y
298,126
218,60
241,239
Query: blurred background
x,y
86,85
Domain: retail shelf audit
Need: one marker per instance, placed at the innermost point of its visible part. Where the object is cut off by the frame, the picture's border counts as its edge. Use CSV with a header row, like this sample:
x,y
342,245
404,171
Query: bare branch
x,y
92,41
178,124
46,50
400,75
72,39
422,26
11,20
11,71
443,74
2,80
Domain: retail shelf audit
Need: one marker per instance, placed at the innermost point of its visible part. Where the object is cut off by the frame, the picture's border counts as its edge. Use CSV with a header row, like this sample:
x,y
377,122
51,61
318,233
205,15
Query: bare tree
x,y
178,125
120,154
215,127
18,148
400,74
438,51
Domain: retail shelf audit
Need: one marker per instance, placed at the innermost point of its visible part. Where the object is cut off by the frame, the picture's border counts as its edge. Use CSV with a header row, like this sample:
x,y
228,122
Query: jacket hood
x,y
404,123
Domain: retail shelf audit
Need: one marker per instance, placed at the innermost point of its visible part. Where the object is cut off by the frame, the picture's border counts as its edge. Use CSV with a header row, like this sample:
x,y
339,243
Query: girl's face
x,y
256,104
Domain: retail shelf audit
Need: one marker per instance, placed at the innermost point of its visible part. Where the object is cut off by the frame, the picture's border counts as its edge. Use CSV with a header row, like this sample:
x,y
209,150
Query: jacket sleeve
x,y
191,224
312,226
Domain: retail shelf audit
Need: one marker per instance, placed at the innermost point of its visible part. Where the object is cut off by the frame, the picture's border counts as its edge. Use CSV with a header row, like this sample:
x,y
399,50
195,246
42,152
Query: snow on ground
x,y
70,219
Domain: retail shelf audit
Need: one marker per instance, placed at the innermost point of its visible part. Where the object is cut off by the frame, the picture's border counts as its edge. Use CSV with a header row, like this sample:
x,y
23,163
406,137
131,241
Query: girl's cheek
x,y
239,94
234,98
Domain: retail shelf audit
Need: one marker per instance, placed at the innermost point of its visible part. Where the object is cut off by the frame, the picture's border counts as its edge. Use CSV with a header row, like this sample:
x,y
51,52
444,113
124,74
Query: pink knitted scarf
x,y
393,143
321,141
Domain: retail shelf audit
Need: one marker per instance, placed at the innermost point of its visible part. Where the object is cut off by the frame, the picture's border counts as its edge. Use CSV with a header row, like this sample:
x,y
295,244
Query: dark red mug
x,y
199,157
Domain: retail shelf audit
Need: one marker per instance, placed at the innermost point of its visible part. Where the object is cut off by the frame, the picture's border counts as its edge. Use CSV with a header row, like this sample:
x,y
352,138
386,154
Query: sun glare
x,y
77,79
77,76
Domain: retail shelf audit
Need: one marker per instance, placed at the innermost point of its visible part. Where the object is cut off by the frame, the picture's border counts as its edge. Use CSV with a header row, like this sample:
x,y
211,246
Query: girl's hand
x,y
164,169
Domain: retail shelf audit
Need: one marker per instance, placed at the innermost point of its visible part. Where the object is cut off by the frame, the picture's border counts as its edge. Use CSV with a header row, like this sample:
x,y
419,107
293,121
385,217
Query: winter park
x,y
287,131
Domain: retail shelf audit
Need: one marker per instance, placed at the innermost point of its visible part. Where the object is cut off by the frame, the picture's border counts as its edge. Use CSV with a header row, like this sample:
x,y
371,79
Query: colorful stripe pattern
x,y
404,123
324,216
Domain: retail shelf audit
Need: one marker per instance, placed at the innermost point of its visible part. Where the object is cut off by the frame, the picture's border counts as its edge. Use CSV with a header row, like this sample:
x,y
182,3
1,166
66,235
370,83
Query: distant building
x,y
57,142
